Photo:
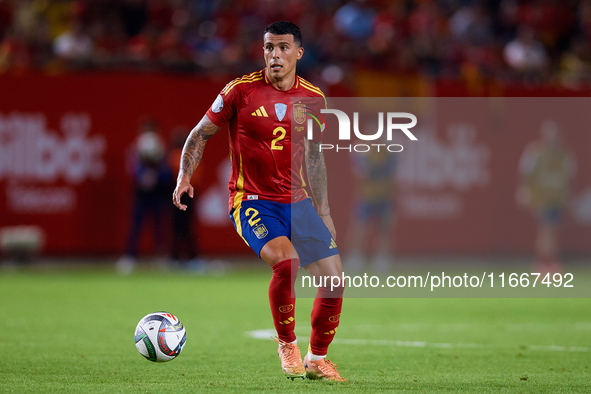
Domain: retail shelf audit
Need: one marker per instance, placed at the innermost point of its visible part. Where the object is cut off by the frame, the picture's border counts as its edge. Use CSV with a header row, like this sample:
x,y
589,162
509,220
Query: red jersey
x,y
267,154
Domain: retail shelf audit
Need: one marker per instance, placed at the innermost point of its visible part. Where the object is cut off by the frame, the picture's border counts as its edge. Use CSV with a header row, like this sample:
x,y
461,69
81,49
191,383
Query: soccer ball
x,y
160,336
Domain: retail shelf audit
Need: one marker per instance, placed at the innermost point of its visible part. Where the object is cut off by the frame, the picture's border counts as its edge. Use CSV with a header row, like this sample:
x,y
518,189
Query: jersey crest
x,y
299,113
260,231
280,110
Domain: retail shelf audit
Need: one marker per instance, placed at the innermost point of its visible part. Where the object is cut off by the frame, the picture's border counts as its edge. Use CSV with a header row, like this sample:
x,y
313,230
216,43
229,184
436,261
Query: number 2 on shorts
x,y
254,213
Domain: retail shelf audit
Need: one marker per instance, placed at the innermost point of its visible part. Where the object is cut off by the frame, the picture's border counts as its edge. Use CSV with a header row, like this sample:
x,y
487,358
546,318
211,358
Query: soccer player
x,y
375,189
269,205
546,168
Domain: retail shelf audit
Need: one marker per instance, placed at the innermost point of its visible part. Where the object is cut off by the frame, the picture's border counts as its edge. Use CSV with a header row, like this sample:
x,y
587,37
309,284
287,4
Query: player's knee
x,y
276,257
286,268
331,292
277,250
282,255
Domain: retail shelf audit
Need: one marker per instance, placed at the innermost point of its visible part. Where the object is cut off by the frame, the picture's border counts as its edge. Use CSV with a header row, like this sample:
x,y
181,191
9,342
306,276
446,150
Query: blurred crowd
x,y
507,40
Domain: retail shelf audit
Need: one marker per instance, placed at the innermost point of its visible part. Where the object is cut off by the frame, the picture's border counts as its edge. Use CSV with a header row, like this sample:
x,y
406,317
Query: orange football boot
x,y
291,360
323,370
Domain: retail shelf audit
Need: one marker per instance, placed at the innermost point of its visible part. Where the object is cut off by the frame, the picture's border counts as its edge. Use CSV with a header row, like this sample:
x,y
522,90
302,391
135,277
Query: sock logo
x,y
286,308
331,332
288,321
334,319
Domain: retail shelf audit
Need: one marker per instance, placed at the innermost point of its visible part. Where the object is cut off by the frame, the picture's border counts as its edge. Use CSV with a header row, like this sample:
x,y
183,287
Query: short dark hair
x,y
285,27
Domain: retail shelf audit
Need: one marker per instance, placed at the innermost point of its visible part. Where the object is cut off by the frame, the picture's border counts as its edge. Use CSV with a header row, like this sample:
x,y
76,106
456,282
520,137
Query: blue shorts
x,y
259,221
550,215
381,209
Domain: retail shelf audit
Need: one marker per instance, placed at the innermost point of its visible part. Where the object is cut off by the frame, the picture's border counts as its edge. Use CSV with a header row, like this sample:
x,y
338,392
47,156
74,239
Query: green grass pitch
x,y
72,331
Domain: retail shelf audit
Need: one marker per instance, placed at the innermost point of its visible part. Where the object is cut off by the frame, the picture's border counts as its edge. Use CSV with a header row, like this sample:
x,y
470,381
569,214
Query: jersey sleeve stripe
x,y
309,84
318,92
242,81
234,82
311,87
313,90
248,77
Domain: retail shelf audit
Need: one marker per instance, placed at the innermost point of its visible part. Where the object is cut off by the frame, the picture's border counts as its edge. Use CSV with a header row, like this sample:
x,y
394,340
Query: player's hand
x,y
183,186
330,225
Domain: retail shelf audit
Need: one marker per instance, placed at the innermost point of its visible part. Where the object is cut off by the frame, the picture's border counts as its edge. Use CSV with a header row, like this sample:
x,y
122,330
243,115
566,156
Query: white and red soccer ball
x,y
160,336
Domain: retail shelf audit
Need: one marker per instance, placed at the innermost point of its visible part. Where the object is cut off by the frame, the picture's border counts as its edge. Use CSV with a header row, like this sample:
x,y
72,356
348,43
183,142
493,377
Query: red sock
x,y
325,319
281,291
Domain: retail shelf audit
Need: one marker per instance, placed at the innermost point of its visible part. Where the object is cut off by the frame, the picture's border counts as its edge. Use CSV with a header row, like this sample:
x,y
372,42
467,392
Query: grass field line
x,y
460,327
268,334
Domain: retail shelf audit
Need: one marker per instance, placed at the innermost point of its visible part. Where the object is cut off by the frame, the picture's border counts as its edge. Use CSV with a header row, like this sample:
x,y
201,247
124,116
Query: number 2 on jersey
x,y
276,140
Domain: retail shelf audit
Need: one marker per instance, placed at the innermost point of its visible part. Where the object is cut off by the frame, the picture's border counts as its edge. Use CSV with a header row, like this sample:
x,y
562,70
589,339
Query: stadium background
x,y
77,78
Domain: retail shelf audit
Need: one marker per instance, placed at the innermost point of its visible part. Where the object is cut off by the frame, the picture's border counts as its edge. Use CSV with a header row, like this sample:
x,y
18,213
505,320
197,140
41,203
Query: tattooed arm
x,y
316,168
192,153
